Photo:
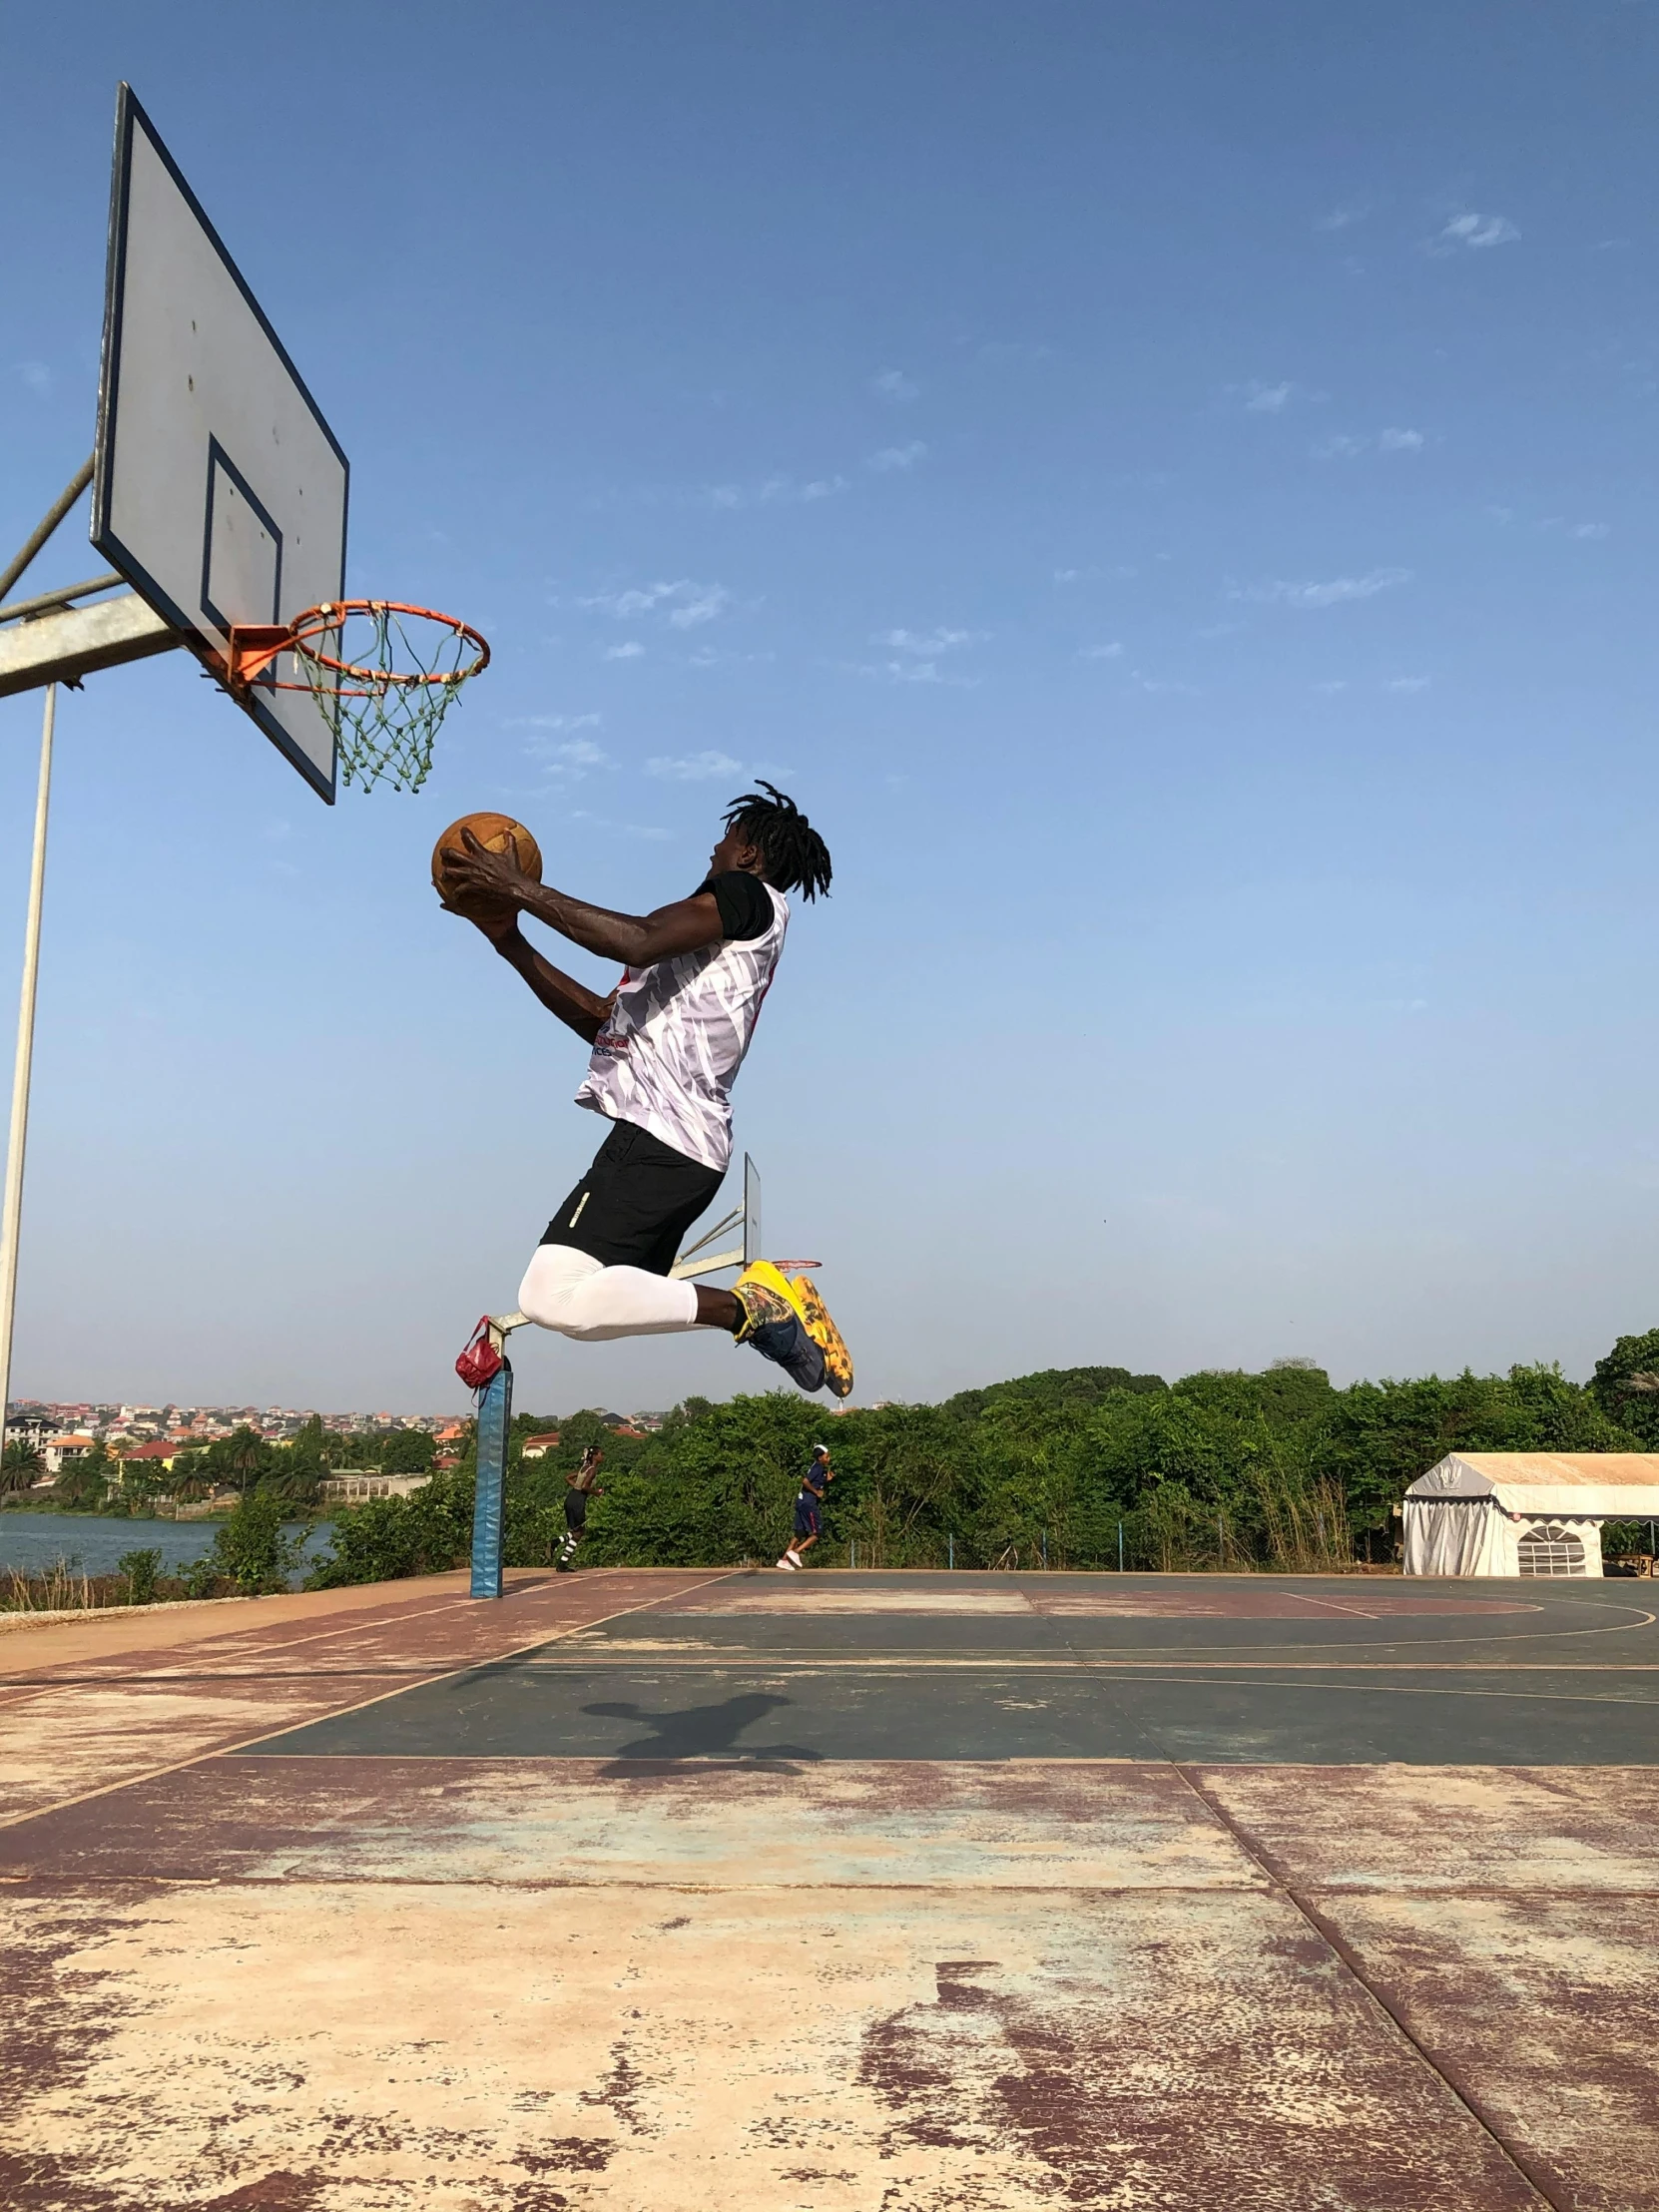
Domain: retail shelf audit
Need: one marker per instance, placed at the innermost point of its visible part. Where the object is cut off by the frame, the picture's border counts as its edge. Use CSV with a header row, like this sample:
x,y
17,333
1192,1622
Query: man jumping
x,y
667,1045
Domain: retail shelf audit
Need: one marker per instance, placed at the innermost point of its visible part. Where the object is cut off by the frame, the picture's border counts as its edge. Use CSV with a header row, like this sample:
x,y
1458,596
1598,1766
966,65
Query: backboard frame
x,y
255,700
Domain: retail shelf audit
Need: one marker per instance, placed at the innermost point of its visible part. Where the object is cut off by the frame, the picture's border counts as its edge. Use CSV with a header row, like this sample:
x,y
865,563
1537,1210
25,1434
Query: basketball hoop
x,y
386,698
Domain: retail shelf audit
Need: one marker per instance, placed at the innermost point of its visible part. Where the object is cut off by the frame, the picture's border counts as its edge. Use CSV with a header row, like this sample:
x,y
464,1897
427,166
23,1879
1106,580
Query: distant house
x,y
154,1454
62,1452
537,1447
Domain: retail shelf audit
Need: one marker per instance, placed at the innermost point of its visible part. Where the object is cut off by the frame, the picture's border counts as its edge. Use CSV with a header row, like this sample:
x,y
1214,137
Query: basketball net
x,y
386,698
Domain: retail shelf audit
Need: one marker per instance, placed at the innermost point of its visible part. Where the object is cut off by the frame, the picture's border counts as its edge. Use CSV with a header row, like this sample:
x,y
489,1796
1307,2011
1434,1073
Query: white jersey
x,y
669,1051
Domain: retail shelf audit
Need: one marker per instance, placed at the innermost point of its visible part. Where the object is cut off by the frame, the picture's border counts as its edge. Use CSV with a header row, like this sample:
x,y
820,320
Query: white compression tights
x,y
579,1296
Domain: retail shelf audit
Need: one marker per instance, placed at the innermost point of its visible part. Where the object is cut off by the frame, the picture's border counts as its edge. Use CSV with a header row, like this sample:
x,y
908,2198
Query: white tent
x,y
1524,1512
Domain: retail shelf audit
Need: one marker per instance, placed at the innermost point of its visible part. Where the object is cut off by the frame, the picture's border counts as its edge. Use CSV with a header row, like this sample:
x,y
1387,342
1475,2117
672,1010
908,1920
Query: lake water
x,y
33,1542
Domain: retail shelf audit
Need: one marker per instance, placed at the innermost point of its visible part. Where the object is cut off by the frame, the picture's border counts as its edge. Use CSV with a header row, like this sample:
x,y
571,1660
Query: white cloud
x,y
1268,399
1589,530
1332,685
632,651
36,375
687,605
551,721
704,608
1340,218
773,490
925,643
1407,683
898,456
638,601
1112,651
694,767
892,384
1343,446
576,758
1474,230
1331,594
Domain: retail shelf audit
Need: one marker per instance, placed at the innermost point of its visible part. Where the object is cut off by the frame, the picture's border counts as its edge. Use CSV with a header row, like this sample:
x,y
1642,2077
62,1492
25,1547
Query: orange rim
x,y
317,622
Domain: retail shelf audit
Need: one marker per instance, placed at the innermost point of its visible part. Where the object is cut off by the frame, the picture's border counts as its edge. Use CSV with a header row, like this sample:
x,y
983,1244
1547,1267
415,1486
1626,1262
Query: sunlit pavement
x,y
909,1892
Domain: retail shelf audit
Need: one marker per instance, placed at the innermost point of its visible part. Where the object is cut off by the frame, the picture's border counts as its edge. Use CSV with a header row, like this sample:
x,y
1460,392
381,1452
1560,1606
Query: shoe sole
x,y
837,1360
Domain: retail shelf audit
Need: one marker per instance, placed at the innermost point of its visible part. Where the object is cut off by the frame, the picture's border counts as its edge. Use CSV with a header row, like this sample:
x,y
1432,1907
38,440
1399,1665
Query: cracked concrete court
x,y
895,1892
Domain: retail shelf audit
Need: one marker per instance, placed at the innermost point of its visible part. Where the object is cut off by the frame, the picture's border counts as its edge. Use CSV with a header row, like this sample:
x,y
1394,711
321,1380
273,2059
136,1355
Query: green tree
x,y
21,1465
83,1484
244,1455
1625,1385
254,1550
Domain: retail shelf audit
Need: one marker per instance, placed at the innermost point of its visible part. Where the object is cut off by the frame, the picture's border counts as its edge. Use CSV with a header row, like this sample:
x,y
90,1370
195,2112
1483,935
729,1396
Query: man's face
x,y
734,852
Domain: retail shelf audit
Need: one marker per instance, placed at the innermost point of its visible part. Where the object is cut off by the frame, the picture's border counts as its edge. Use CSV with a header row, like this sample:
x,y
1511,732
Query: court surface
x,y
900,1891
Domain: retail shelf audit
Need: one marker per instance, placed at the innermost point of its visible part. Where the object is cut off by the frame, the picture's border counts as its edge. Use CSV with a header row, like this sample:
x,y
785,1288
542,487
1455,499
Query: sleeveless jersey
x,y
671,1048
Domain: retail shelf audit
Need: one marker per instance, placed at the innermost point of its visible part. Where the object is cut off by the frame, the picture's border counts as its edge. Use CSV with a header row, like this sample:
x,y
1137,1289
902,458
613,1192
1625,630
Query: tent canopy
x,y
1580,1485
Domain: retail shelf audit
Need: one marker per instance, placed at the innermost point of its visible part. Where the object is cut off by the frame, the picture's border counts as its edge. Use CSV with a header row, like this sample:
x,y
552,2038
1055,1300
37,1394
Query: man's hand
x,y
478,877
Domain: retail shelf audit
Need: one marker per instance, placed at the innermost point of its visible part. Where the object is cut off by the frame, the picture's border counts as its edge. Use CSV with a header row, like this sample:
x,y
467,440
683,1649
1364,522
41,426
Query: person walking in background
x,y
808,1508
581,1484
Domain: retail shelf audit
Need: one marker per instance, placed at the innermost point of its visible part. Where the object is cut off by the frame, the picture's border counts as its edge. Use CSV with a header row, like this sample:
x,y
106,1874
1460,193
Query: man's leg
x,y
580,1297
801,1540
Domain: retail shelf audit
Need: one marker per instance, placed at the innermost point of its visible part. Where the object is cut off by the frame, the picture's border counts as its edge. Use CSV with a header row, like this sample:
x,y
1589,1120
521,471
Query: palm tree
x,y
21,1466
244,1454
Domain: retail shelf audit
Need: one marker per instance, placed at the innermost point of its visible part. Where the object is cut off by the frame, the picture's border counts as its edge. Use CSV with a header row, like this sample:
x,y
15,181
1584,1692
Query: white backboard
x,y
220,492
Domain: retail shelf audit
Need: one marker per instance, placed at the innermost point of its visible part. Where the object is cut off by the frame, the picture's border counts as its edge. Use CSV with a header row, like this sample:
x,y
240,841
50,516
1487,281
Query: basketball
x,y
496,833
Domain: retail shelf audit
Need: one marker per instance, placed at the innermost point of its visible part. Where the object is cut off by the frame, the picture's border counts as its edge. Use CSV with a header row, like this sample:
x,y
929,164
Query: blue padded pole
x,y
495,1419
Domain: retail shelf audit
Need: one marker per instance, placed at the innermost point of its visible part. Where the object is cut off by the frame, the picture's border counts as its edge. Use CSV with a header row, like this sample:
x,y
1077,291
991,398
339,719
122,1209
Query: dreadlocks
x,y
794,852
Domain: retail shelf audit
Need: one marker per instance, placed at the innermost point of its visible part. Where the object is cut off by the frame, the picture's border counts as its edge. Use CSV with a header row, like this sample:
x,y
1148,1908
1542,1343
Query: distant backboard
x,y
220,492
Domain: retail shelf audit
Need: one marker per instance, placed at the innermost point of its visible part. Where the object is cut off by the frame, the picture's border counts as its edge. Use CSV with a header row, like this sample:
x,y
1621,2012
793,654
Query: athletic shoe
x,y
775,1322
837,1360
793,1565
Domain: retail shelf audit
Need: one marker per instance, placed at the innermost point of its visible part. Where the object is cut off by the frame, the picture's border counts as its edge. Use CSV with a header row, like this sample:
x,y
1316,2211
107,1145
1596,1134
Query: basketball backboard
x,y
698,1260
221,491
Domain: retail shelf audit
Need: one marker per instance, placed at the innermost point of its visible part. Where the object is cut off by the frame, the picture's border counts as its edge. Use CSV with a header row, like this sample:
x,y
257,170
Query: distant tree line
x,y
1078,1465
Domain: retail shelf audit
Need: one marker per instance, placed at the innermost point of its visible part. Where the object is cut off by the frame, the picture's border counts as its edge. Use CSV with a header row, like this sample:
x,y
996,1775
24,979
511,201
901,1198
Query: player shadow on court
x,y
702,1731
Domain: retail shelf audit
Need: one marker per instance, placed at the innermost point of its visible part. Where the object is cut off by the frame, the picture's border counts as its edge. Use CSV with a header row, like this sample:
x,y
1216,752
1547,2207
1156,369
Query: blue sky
x,y
1171,490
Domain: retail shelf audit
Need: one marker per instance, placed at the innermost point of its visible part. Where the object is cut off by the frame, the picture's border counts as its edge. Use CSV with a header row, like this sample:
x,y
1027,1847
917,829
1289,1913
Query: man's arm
x,y
576,1006
635,939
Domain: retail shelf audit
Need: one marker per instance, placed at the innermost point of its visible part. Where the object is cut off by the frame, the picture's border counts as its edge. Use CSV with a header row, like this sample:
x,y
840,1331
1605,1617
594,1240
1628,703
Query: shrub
x,y
141,1569
251,1550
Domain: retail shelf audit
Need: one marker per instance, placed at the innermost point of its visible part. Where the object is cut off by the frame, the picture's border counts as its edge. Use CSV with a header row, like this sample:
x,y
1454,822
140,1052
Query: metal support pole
x,y
49,523
496,1420
1045,1551
1120,1547
951,1551
12,1217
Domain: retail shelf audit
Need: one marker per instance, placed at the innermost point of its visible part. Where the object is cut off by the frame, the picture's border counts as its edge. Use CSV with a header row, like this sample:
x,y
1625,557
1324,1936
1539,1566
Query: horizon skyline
x,y
1166,493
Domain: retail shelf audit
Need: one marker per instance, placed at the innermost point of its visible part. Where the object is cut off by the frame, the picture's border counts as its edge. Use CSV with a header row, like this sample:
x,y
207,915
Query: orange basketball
x,y
496,833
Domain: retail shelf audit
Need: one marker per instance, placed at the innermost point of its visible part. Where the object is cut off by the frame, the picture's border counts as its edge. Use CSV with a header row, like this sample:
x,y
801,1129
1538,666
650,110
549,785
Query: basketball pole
x,y
11,1220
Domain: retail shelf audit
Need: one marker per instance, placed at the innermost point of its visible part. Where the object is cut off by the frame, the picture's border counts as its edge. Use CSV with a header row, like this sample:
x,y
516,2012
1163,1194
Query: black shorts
x,y
633,1207
807,1518
576,1509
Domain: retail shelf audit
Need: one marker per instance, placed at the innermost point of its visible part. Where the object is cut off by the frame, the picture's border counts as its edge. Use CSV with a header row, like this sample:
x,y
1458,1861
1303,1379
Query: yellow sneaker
x,y
775,1324
837,1360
